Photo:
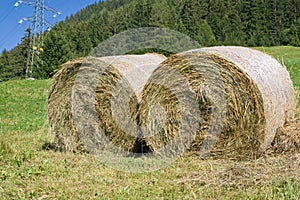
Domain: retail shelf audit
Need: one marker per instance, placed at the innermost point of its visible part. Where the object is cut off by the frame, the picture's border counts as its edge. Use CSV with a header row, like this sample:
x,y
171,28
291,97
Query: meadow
x,y
30,170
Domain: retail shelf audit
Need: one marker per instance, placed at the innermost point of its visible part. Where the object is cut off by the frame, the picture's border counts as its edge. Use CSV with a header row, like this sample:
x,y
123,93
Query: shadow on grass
x,y
50,146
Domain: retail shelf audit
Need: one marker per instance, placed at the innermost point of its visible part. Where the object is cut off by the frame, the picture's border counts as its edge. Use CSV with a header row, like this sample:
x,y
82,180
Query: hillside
x,y
209,22
29,169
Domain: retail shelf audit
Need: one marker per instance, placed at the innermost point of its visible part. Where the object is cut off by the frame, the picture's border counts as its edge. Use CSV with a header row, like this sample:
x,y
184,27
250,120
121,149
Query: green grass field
x,y
28,171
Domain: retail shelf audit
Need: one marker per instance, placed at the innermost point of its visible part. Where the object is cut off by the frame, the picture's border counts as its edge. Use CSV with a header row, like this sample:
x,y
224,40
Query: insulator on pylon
x,y
38,29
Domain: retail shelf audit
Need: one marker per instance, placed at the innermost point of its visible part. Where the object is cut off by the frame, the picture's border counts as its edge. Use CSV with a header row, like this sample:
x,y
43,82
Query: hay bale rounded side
x,y
256,103
272,80
93,102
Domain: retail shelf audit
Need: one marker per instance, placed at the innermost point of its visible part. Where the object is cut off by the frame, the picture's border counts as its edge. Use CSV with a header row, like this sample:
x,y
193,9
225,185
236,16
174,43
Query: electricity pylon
x,y
37,32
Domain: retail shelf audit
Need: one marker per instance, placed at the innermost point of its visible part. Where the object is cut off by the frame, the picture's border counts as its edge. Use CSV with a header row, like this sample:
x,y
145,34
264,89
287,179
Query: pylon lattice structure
x,y
36,33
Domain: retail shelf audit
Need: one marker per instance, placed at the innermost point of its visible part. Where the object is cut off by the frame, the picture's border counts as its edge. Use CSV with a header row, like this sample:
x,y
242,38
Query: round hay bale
x,y
93,102
243,96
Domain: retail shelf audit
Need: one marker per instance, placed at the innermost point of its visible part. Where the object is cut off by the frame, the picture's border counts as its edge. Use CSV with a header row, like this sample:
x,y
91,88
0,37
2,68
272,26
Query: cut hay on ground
x,y
243,96
239,174
93,101
287,139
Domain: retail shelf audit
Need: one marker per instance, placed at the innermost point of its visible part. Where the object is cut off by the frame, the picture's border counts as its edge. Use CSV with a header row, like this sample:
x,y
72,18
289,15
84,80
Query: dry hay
x,y
93,101
257,92
287,139
223,172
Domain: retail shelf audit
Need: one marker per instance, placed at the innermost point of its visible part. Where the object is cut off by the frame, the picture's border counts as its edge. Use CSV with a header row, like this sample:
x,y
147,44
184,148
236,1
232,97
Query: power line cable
x,y
8,12
37,32
7,37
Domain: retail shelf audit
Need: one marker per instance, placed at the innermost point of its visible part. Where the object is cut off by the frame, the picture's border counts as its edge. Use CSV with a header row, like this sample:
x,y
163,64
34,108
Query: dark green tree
x,y
5,72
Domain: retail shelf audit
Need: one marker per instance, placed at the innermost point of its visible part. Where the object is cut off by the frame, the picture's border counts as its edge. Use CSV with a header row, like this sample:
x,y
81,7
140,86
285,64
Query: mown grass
x,y
28,171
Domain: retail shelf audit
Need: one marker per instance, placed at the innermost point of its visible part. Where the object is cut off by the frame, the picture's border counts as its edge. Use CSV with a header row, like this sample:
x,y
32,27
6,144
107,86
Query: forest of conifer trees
x,y
209,22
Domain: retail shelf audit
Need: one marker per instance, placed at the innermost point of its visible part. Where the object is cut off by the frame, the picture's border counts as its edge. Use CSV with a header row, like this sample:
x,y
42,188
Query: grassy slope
x,y
28,171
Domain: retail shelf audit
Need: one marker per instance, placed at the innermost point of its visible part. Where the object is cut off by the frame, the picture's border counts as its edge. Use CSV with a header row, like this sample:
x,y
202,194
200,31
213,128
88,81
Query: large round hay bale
x,y
93,102
243,96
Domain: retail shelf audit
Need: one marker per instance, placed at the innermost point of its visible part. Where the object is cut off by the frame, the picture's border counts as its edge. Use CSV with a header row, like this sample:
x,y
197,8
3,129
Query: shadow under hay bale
x,y
93,102
243,96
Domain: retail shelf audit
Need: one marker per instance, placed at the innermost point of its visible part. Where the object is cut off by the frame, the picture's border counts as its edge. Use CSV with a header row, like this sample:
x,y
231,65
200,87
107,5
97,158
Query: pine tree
x,y
4,66
162,15
216,13
141,13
